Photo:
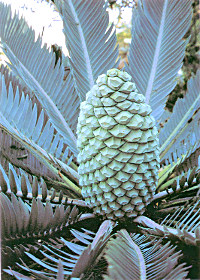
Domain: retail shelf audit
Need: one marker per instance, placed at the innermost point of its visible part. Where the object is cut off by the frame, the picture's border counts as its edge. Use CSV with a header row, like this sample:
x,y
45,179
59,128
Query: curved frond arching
x,y
182,223
183,128
20,118
92,252
139,258
91,44
77,256
35,66
125,259
186,222
11,151
157,48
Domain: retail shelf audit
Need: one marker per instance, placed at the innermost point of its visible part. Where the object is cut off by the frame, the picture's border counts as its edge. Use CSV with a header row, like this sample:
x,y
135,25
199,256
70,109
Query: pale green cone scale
x,y
118,148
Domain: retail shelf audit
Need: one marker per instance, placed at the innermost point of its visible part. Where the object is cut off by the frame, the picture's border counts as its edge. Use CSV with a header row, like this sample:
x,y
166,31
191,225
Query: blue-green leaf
x,y
182,131
157,48
15,123
91,43
35,65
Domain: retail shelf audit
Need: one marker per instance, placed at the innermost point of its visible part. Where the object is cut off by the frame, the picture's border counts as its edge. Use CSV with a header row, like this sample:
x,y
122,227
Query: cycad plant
x,y
98,180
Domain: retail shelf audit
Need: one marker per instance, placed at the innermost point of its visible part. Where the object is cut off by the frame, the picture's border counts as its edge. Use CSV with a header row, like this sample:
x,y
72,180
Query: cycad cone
x,y
118,144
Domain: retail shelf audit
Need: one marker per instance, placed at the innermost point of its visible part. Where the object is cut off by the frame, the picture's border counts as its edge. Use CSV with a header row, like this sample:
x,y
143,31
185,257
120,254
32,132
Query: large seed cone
x,y
118,144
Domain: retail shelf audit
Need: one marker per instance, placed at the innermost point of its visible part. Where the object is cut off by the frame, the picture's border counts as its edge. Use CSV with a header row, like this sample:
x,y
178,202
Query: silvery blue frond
x,y
35,65
21,118
142,259
157,48
182,131
89,39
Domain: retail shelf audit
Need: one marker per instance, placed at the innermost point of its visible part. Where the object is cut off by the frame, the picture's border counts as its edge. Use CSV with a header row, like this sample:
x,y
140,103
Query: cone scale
x,y
118,148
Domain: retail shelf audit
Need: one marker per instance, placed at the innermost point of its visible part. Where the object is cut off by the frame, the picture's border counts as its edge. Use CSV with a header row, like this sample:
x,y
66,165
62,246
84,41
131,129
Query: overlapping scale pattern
x,y
118,147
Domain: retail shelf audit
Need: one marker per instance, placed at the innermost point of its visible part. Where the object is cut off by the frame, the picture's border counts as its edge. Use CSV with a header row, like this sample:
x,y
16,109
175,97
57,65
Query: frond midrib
x,y
84,45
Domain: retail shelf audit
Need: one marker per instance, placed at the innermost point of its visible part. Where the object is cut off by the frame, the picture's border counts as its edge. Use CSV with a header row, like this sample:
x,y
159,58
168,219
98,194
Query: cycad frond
x,y
50,235
188,162
20,118
183,181
13,152
11,78
19,220
18,155
17,275
137,258
77,256
157,48
182,222
35,66
28,187
182,130
91,44
186,220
